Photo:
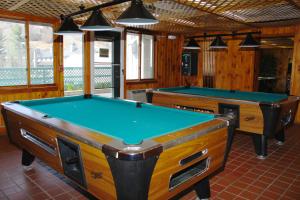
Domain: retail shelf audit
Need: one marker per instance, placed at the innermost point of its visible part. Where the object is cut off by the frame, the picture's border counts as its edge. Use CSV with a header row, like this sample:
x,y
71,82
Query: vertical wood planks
x,y
235,67
295,81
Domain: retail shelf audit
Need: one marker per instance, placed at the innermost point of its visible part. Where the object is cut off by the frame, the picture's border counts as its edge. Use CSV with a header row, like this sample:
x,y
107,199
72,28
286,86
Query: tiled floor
x,y
245,177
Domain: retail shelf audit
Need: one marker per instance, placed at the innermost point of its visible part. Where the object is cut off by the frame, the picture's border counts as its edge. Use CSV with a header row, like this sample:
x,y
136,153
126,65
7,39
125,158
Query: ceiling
x,y
179,16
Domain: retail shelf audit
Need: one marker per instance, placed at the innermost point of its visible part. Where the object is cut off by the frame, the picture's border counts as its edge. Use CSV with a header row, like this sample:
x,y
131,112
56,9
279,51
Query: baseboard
x,y
2,130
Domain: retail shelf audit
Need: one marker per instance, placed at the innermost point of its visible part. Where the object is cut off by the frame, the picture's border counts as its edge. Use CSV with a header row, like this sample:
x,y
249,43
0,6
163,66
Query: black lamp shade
x,y
249,42
96,22
192,44
136,14
68,27
218,43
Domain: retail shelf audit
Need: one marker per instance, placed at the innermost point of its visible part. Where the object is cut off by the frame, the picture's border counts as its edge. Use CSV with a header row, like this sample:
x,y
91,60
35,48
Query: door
x,y
105,72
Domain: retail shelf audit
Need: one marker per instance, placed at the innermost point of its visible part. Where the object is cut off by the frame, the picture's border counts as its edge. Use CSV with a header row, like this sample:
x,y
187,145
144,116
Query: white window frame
x,y
139,78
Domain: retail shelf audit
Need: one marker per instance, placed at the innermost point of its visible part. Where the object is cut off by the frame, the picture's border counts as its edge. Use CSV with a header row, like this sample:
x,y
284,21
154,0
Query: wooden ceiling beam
x,y
18,5
27,17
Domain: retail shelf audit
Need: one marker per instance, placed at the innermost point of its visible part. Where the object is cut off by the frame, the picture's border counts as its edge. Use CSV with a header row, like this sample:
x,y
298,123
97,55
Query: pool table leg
x,y
261,145
280,137
27,158
202,188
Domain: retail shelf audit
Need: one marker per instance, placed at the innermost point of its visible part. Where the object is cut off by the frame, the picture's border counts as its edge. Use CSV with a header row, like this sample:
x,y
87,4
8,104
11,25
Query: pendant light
x,y
249,42
192,44
218,43
136,14
96,22
68,27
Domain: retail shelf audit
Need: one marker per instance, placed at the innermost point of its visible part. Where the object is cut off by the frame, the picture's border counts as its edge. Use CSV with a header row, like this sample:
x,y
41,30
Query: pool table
x,y
266,115
117,149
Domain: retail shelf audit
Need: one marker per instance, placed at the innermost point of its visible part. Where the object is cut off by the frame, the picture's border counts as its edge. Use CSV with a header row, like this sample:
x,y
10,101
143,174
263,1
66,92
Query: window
x,y
147,71
139,56
132,56
41,54
17,63
73,64
13,57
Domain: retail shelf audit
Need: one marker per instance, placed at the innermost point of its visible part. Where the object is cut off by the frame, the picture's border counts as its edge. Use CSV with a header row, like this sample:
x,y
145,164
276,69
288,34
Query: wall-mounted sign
x,y
104,53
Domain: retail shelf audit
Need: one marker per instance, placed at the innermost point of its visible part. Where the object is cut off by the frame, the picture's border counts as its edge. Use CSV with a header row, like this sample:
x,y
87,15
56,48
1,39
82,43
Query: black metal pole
x,y
228,34
104,5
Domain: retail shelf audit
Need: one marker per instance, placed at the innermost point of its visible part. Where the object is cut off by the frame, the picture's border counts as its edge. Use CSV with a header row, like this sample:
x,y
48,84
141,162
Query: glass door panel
x,y
102,68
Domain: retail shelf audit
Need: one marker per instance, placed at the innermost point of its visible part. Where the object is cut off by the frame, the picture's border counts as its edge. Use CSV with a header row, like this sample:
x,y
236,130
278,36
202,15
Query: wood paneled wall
x,y
295,85
208,64
235,67
232,68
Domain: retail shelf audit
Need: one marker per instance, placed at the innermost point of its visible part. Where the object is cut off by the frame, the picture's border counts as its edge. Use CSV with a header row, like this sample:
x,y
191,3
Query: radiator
x,y
137,95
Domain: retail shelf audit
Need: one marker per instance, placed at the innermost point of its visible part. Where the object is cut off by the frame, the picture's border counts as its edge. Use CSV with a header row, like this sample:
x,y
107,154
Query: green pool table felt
x,y
235,94
117,118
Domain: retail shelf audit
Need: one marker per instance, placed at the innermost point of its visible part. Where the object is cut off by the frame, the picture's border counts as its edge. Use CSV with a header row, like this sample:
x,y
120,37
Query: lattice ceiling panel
x,y
47,8
279,11
296,2
182,16
175,15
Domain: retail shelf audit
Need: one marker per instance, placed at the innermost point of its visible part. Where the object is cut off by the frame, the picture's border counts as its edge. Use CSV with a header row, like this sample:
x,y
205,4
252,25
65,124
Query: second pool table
x,y
118,149
265,115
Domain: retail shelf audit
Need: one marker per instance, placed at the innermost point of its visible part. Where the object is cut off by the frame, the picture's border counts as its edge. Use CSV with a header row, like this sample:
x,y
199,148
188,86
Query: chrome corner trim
x,y
122,151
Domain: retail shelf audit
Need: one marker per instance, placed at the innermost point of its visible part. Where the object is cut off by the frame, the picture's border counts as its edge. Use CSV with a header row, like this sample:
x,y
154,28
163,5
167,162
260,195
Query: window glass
x,y
132,56
13,59
147,69
73,64
41,54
